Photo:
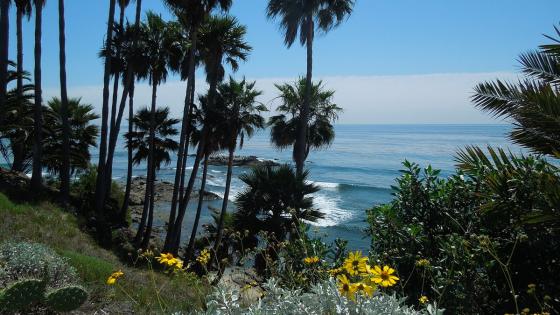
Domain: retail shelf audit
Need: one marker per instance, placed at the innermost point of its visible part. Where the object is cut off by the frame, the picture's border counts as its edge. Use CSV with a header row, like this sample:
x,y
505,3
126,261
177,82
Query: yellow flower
x,y
384,277
204,257
166,259
346,288
355,263
423,299
364,289
114,276
178,264
334,272
311,260
422,262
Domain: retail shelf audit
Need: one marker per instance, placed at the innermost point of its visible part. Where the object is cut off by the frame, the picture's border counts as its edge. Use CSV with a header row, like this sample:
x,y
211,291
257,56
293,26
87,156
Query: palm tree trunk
x,y
184,141
226,197
299,147
148,232
65,171
150,182
37,176
117,77
190,248
126,201
145,208
187,143
4,51
100,189
18,149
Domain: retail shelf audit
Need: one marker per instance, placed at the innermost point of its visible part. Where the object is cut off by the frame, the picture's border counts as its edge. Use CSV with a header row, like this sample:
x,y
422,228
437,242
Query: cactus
x,y
21,294
65,299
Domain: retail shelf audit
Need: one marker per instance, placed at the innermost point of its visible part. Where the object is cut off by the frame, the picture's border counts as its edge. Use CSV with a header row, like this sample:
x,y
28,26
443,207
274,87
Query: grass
x,y
47,224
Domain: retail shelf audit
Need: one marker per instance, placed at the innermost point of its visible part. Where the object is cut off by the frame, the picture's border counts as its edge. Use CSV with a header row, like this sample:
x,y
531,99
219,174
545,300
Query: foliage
x,y
532,104
322,113
465,241
83,135
65,299
164,143
323,298
275,200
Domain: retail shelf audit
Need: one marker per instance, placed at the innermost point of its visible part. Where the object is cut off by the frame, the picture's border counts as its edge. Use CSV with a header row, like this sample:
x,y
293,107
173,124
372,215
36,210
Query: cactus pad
x,y
21,294
66,298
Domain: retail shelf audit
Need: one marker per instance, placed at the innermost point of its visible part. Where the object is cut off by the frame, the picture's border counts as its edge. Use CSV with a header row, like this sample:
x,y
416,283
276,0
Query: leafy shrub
x,y
465,241
322,299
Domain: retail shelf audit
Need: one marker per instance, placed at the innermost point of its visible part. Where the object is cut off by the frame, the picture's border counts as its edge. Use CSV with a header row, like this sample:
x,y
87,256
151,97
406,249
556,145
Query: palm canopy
x,y
196,11
275,197
164,129
241,112
156,44
222,40
295,16
532,104
25,7
83,135
322,113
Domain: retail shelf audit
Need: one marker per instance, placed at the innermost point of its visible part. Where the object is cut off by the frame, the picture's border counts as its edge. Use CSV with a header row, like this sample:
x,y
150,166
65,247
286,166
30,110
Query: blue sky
x,y
382,40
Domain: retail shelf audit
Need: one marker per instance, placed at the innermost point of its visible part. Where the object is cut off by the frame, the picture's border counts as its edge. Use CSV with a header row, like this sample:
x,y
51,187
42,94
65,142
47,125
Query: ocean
x,y
355,173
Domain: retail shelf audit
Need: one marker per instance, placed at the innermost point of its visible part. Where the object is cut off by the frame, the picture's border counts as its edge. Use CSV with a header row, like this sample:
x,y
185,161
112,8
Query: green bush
x,y
90,269
465,241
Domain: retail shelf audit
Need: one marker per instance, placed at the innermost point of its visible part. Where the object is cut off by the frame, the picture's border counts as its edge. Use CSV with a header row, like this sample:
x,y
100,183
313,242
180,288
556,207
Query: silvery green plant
x,y
34,276
322,299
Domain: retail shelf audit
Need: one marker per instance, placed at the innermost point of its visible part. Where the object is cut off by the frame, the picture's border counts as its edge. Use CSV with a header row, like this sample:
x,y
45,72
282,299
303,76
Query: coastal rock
x,y
250,161
163,192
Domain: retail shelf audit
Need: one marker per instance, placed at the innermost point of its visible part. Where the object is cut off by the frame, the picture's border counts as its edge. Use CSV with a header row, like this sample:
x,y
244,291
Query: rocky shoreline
x,y
163,192
249,161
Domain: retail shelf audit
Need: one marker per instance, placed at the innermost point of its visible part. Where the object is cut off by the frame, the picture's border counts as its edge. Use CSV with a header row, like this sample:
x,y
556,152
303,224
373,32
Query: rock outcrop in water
x,y
249,161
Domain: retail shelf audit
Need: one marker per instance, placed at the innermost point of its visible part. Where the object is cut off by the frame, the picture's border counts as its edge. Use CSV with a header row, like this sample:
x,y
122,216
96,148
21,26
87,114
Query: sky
x,y
391,62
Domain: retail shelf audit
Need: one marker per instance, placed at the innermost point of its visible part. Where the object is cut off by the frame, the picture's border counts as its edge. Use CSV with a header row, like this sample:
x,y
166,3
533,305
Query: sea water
x,y
355,173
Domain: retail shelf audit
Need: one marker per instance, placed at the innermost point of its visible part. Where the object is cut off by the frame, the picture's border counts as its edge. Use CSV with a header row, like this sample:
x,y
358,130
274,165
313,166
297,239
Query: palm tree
x,y
322,113
275,198
240,112
37,176
191,14
17,130
103,230
4,51
65,170
152,139
222,40
532,104
83,135
304,16
155,43
24,9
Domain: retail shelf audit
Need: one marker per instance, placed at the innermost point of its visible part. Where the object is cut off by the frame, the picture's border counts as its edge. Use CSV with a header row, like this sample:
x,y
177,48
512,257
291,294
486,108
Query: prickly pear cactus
x,y
21,295
65,299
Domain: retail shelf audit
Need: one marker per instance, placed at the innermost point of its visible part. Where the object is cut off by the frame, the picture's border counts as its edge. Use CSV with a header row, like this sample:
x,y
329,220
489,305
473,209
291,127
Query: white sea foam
x,y
326,185
334,215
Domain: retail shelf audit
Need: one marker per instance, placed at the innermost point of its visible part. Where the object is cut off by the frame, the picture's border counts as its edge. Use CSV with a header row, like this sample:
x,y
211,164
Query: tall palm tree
x,y
24,9
322,113
37,176
240,111
304,16
222,41
191,14
155,44
532,104
153,136
4,50
65,170
83,135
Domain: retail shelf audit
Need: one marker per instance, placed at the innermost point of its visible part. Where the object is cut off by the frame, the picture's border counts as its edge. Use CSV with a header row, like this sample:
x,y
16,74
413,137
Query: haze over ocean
x,y
354,174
